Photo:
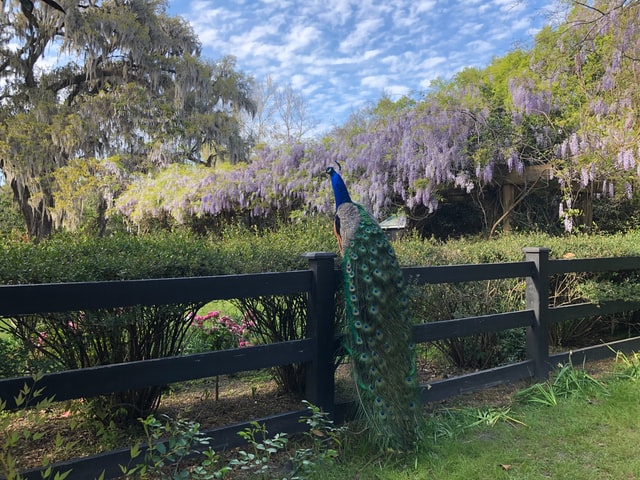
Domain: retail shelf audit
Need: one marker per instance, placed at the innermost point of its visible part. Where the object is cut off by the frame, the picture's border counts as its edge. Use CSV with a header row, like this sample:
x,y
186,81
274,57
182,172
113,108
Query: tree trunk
x,y
101,221
38,221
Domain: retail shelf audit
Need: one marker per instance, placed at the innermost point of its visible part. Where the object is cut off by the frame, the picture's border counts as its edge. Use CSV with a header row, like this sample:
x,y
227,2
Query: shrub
x,y
449,301
13,358
279,318
81,339
213,331
88,338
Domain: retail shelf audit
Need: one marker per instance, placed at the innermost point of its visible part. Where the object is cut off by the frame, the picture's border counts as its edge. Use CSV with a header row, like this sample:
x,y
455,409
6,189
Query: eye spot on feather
x,y
373,309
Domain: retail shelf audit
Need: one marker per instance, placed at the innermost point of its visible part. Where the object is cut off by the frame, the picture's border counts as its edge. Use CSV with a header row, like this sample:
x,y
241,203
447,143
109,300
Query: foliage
x,y
627,367
279,319
87,338
567,104
449,301
173,442
567,382
29,400
325,441
82,339
11,223
214,332
164,458
13,358
623,288
256,461
128,93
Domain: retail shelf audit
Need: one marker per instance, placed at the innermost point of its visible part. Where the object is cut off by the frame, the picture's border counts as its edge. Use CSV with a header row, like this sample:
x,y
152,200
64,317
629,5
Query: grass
x,y
592,435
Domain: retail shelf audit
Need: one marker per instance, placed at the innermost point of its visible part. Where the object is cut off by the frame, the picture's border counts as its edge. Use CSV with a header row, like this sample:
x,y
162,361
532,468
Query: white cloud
x,y
343,54
362,35
377,82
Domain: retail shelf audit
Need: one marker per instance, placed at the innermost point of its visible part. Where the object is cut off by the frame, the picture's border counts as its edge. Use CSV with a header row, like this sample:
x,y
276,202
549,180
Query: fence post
x,y
320,382
537,299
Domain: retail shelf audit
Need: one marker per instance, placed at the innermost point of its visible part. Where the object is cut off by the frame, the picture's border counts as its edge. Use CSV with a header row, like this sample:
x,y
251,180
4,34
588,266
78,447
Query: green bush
x,y
81,339
13,358
279,318
449,301
87,338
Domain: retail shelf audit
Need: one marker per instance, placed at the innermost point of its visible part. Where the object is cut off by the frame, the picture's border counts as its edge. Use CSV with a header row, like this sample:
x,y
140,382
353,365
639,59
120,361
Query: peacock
x,y
378,330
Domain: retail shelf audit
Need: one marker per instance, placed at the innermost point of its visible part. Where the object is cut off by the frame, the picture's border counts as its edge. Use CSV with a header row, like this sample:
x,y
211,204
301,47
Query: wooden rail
x,y
320,281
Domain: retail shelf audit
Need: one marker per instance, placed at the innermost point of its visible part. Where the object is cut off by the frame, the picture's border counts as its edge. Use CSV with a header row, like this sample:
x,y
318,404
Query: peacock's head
x,y
340,191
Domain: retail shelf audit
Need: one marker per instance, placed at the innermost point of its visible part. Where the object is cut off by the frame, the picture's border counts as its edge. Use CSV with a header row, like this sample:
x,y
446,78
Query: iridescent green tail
x,y
379,337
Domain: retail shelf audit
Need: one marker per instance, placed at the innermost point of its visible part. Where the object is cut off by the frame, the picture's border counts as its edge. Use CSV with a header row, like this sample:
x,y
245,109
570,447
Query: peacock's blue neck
x,y
340,191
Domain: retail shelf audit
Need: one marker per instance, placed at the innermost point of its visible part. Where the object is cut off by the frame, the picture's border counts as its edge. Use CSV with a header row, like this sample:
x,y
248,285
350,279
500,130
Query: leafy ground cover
x,y
587,433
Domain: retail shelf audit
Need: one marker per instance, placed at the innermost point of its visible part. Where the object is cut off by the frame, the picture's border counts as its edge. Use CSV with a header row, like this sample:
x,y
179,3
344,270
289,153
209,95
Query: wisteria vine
x,y
578,113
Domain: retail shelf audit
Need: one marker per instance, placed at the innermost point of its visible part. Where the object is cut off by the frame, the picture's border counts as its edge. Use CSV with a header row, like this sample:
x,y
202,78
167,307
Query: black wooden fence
x,y
321,281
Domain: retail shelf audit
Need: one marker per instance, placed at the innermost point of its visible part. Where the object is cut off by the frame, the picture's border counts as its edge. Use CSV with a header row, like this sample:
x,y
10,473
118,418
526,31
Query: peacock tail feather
x,y
378,336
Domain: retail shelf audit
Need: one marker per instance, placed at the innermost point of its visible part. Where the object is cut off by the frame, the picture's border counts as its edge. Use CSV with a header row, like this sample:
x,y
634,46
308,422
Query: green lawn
x,y
588,438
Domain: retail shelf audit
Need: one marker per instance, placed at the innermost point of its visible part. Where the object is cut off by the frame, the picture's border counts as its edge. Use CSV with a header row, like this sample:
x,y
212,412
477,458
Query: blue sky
x,y
341,55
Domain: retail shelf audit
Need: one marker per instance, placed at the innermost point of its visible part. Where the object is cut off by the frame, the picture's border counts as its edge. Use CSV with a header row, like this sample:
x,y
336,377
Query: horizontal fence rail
x,y
121,377
320,283
65,297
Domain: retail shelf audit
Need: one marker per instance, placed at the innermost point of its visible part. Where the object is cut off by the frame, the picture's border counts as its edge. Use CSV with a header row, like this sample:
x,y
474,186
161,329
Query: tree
x,y
281,115
569,105
592,62
127,84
